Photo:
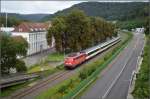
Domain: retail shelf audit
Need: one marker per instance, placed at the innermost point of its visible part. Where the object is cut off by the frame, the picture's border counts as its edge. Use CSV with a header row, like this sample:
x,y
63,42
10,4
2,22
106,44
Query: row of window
x,y
37,29
37,37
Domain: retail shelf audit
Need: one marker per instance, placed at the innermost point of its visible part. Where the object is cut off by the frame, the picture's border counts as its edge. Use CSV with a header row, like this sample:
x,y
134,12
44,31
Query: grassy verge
x,y
54,57
8,91
71,86
47,64
38,68
142,84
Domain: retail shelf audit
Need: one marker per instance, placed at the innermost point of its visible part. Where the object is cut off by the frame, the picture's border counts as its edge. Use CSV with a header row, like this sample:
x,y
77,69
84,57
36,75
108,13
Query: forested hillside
x,y
136,18
11,21
107,10
27,17
14,19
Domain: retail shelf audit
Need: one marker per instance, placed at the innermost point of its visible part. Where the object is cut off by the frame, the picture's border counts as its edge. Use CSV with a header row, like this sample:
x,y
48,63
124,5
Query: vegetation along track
x,y
39,85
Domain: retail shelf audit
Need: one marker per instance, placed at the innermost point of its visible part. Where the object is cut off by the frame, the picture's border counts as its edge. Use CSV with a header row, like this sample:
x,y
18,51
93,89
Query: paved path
x,y
114,81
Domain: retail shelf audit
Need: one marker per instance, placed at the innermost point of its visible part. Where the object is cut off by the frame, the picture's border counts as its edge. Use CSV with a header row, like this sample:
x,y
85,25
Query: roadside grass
x,y
38,68
142,84
59,90
85,74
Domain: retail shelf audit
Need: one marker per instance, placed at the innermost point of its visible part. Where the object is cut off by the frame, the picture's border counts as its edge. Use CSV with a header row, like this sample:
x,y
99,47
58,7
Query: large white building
x,y
35,35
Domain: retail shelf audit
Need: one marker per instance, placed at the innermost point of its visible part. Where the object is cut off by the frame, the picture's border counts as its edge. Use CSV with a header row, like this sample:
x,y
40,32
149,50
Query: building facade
x,y
139,30
35,35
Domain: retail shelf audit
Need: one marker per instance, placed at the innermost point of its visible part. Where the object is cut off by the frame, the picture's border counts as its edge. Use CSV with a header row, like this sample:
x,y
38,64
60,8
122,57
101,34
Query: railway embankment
x,y
77,83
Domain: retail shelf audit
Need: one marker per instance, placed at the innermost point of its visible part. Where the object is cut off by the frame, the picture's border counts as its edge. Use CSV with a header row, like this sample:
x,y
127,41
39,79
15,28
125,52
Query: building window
x,y
31,29
36,29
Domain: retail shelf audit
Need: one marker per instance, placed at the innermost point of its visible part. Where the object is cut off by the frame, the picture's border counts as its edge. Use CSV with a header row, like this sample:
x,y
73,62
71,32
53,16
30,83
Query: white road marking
x,y
113,83
111,86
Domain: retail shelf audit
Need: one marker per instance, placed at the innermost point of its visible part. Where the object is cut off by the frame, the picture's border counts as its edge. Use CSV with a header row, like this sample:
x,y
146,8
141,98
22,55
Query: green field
x,y
54,57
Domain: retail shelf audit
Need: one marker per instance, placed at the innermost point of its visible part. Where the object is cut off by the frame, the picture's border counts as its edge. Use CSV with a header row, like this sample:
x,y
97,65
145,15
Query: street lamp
x,y
41,50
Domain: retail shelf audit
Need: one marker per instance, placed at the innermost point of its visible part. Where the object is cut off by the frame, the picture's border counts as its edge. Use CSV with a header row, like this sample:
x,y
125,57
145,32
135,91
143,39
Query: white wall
x,y
36,40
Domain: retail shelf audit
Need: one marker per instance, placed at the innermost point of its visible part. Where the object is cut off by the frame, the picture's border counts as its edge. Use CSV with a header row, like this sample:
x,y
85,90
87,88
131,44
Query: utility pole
x,y
64,44
6,20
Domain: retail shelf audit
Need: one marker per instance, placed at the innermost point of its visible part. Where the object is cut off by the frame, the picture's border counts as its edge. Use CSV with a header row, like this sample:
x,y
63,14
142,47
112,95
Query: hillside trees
x,y
76,31
146,26
11,47
11,21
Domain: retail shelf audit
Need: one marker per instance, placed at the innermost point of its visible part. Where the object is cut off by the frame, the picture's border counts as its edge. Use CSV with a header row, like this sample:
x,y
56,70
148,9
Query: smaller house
x,y
35,34
139,30
8,30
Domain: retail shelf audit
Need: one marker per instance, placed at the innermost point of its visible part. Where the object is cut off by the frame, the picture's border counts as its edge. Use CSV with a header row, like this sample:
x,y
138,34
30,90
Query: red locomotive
x,y
74,59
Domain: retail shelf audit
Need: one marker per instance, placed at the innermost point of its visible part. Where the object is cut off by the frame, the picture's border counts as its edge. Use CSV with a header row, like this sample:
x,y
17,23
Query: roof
x,y
32,27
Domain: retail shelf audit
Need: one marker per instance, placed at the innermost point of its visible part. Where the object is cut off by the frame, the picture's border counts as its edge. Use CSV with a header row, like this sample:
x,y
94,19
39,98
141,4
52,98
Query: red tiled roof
x,y
32,27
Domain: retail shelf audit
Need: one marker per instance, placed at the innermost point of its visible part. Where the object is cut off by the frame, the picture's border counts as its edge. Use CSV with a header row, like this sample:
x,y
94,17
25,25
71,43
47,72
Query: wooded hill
x,y
14,18
107,10
28,17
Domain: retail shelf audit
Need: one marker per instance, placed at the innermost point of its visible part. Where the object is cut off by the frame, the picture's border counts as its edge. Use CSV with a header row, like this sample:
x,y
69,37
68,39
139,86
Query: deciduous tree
x,y
11,47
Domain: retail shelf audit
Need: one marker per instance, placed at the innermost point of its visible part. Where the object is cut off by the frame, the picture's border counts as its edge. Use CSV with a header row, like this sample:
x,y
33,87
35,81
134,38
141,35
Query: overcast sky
x,y
30,7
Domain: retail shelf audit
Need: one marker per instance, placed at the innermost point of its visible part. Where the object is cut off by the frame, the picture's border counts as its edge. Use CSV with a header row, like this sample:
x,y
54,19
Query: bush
x,y
71,83
62,89
20,66
83,75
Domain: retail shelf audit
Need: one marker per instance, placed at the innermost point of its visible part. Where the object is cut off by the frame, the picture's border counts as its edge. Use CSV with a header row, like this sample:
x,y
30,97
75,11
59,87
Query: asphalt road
x,y
113,82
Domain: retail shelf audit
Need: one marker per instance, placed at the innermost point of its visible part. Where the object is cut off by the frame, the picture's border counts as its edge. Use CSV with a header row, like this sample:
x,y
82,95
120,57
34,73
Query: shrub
x,y
62,89
20,66
83,74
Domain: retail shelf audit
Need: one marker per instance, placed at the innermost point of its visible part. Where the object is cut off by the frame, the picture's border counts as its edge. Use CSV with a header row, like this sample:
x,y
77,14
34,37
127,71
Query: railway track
x,y
41,84
51,79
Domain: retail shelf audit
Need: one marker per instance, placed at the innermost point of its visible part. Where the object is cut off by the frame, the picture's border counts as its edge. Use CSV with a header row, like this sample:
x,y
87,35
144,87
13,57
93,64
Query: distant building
x,y
139,30
7,30
35,34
